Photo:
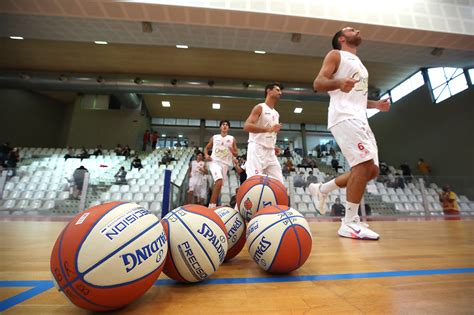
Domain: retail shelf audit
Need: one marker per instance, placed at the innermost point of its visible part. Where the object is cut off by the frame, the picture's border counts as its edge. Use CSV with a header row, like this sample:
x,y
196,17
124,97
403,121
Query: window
x,y
372,111
446,82
471,75
212,123
407,86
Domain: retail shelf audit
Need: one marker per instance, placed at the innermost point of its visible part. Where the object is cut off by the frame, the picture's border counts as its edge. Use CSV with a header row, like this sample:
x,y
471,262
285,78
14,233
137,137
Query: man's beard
x,y
354,41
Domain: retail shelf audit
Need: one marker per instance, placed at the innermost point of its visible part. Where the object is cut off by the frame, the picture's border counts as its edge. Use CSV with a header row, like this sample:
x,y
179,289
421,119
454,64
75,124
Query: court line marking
x,y
39,286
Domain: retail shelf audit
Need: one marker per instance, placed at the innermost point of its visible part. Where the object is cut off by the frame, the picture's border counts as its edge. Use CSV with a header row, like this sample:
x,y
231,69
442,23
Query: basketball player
x,y
224,148
197,180
345,78
263,126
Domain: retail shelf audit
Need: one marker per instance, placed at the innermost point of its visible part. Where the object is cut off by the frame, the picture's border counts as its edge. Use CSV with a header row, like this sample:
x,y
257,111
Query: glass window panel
x,y
321,127
449,72
285,126
157,121
295,126
442,92
194,122
311,127
396,94
458,84
235,124
371,112
436,76
183,122
417,80
471,75
458,72
170,121
212,123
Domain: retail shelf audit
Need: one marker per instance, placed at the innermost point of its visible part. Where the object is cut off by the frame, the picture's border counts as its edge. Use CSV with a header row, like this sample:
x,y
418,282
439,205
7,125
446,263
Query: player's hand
x,y
208,158
383,105
275,128
277,151
347,84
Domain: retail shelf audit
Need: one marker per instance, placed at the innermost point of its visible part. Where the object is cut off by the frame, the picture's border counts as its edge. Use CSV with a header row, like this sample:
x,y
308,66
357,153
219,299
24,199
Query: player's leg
x,y
254,164
217,175
272,167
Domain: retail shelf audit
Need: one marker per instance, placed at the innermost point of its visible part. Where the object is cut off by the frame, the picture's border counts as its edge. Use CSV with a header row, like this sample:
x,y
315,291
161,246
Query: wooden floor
x,y
417,267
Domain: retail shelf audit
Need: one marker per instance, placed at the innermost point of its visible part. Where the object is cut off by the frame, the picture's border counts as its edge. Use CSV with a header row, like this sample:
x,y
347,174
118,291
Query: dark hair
x,y
224,121
272,85
335,40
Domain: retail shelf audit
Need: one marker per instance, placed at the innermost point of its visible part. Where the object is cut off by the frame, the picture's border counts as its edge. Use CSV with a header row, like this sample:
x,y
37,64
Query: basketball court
x,y
417,266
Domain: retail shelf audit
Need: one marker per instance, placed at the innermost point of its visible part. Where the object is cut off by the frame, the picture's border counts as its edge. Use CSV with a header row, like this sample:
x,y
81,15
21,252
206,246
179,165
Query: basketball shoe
x,y
356,229
319,199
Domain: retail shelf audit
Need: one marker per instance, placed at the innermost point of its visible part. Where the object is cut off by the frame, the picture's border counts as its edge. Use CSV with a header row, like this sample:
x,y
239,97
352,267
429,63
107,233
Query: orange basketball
x,y
109,255
279,239
258,192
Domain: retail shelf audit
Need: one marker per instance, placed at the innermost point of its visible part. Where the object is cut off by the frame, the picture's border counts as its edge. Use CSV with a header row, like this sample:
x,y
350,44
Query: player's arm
x,y
382,105
233,149
207,148
251,122
325,82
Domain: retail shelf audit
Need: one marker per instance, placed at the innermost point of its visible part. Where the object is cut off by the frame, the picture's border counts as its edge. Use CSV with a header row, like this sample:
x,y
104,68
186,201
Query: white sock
x,y
212,205
351,211
326,188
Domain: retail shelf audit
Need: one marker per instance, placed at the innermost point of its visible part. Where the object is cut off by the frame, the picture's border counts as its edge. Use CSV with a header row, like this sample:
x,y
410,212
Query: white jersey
x,y
268,118
196,168
352,105
221,149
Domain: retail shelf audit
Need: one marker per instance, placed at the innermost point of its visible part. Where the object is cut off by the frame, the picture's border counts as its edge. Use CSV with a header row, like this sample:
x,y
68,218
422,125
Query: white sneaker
x,y
319,199
357,230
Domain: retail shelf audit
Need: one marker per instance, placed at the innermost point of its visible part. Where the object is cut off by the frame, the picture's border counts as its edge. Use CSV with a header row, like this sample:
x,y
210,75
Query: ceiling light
x,y
180,136
182,46
216,106
163,135
166,104
286,139
16,37
298,110
100,42
262,52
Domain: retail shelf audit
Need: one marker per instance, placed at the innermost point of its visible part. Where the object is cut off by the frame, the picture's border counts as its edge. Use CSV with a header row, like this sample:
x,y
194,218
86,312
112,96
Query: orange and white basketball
x,y
279,239
260,191
197,241
235,226
109,255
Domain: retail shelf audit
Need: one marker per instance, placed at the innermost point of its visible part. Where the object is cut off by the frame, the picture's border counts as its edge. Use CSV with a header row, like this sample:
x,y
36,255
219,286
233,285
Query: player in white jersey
x,y
197,180
263,125
224,149
345,78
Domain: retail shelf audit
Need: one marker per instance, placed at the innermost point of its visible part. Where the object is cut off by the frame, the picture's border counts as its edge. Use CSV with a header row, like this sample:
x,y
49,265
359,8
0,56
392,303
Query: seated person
x,y
337,209
98,150
69,154
118,149
290,165
335,164
287,152
126,151
311,179
120,176
298,180
449,201
167,158
78,177
136,163
305,162
84,154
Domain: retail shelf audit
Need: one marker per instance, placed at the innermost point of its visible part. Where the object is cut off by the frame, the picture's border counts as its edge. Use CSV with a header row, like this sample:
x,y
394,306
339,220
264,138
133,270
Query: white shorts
x,y
198,185
357,141
218,170
262,161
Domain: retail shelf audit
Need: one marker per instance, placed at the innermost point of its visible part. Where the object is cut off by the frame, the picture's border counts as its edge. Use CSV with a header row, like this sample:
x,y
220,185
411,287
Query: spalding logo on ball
x,y
109,255
260,191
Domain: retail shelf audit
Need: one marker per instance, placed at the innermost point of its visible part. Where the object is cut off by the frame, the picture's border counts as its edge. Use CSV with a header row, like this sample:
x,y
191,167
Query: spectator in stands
x,y
178,144
425,170
383,172
338,209
311,179
120,177
298,180
395,181
84,154
4,151
167,158
449,201
118,150
318,151
335,164
12,160
368,210
126,151
154,139
78,178
98,150
69,154
285,171
305,163
406,171
240,168
287,152
332,153
146,139
136,163
289,164
197,180
312,161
